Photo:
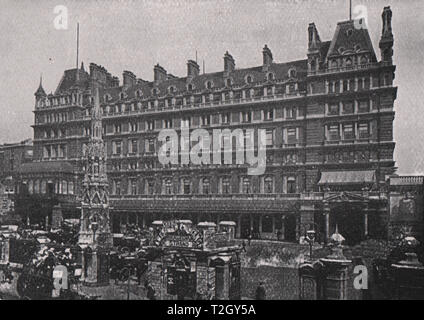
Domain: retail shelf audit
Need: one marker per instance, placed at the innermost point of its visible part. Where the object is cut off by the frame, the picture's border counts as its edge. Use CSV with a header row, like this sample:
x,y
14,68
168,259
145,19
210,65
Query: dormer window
x,y
138,93
249,79
190,87
155,91
364,60
348,62
228,82
171,90
292,73
270,76
121,96
209,85
349,32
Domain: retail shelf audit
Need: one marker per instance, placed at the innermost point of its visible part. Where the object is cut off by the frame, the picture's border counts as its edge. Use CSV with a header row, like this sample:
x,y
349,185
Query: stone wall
x,y
279,283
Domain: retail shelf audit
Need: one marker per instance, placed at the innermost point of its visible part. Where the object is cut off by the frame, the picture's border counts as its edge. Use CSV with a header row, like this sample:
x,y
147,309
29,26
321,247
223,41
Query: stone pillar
x,y
327,221
310,276
366,211
336,271
57,218
409,274
238,227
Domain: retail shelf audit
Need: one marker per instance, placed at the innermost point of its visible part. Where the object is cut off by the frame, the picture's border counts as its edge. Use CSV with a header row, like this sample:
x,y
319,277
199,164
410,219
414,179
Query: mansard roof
x,y
69,80
238,79
349,38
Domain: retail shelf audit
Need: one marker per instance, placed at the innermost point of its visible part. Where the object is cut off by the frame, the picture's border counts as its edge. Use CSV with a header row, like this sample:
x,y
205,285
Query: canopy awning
x,y
347,177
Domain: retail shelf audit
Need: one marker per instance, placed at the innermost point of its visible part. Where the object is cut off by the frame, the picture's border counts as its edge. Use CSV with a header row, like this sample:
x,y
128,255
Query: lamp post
x,y
310,238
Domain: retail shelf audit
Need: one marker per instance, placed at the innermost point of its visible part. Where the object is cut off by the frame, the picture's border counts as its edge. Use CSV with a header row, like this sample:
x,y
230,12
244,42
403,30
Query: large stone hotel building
x,y
329,136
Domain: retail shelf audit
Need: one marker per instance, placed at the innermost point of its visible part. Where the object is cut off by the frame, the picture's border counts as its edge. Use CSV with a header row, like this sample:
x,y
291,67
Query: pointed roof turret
x,y
40,91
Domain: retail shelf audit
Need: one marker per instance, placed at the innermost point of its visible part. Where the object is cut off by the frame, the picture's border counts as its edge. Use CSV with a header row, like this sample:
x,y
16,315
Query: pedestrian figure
x,y
260,292
150,293
243,244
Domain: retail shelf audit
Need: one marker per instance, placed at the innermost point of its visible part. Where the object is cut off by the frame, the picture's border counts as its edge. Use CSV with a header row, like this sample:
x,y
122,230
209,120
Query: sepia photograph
x,y
205,150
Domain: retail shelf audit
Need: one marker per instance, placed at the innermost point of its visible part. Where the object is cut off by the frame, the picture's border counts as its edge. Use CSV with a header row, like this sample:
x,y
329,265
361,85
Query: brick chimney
x,y
229,63
159,73
129,79
313,37
193,69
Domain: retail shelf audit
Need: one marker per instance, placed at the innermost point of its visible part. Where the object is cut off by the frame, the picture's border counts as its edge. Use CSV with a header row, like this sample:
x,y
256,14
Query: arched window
x,y
228,82
139,93
269,185
225,188
249,79
155,91
30,187
364,60
334,64
209,85
70,187
121,95
190,87
270,76
206,188
171,90
246,185
168,186
292,73
186,186
348,62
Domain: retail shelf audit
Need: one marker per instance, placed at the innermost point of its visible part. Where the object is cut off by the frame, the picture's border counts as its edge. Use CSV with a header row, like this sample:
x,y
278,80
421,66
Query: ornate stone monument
x,y
95,236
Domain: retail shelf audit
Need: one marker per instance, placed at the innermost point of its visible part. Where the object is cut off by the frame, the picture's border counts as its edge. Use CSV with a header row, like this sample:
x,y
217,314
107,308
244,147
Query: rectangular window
x,y
150,145
270,137
291,113
225,185
167,123
225,118
363,131
133,186
117,147
133,146
246,116
348,132
333,131
117,128
269,115
363,106
185,122
333,109
291,185
133,127
347,107
150,125
206,120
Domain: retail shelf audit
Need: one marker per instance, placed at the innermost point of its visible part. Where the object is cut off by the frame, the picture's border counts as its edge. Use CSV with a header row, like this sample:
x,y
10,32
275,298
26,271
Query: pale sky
x,y
135,35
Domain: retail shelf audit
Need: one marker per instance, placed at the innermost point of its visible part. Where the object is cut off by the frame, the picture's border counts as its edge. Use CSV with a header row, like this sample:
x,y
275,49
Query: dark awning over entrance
x,y
347,177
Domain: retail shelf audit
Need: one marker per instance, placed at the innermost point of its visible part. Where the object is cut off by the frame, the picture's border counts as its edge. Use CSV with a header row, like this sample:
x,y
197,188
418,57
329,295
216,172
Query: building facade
x,y
328,121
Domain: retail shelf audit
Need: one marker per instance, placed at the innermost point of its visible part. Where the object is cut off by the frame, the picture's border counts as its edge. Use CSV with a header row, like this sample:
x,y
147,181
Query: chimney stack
x,y
267,57
129,79
159,73
193,69
229,63
313,36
